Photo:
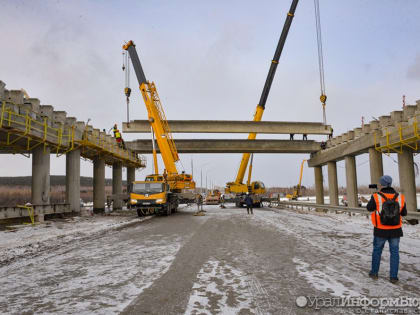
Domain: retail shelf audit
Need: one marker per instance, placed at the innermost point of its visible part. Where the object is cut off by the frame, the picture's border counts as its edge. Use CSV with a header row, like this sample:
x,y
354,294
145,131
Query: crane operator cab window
x,y
152,178
148,188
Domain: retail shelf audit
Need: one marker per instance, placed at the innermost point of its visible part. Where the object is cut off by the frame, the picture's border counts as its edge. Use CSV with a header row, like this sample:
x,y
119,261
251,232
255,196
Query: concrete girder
x,y
228,126
339,152
231,146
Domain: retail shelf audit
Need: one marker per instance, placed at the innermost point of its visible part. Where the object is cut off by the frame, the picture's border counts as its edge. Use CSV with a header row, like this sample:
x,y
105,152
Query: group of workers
x,y
305,137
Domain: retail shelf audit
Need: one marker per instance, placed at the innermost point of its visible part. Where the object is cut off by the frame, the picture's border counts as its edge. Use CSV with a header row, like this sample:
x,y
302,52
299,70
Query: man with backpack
x,y
387,207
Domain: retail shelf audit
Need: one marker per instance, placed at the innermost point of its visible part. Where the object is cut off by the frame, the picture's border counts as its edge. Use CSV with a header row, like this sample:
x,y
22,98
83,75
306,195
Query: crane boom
x,y
156,114
266,90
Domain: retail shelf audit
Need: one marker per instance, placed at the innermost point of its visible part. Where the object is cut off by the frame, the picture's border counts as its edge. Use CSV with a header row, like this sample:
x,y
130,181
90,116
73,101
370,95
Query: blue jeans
x,y
394,248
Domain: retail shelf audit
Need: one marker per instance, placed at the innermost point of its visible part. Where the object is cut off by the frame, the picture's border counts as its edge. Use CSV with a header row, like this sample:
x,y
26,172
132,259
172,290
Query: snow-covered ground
x,y
344,246
221,281
27,240
250,264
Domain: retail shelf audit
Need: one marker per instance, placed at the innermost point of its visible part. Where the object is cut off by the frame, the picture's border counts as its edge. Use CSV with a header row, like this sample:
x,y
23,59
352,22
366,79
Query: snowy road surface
x,y
226,262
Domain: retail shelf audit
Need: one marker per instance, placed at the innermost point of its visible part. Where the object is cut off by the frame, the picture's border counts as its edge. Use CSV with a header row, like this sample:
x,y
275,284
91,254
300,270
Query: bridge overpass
x,y
36,130
396,133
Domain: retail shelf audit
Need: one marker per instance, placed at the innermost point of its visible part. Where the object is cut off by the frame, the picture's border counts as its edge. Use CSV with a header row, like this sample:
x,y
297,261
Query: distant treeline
x,y
55,180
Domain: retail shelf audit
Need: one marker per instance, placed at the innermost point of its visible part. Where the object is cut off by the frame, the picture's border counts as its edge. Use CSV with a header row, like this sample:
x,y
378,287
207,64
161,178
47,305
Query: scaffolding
x,y
395,141
23,132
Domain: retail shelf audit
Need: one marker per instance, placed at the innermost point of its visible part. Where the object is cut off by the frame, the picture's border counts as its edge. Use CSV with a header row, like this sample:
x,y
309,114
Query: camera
x,y
373,186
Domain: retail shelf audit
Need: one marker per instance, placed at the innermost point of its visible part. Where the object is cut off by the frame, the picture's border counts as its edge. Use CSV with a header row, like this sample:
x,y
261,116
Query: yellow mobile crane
x,y
158,193
257,188
296,191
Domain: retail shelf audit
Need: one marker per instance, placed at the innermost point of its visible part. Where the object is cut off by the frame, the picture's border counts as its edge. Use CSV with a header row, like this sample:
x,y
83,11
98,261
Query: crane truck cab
x,y
153,196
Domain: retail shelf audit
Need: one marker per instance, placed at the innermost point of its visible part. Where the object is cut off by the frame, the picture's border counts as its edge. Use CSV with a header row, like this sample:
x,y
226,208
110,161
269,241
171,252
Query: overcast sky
x,y
209,60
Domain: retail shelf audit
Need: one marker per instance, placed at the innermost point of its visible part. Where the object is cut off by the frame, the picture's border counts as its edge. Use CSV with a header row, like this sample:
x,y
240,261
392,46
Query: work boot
x,y
374,277
393,280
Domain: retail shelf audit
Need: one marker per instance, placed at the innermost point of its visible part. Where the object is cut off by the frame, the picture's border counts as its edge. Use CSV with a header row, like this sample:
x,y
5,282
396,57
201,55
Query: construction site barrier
x,y
309,206
30,212
22,211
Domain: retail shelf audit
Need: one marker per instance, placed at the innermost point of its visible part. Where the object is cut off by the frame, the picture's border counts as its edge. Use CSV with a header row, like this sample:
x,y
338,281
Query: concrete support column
x,y
351,181
407,179
319,185
40,192
73,180
131,176
98,185
117,185
333,183
376,166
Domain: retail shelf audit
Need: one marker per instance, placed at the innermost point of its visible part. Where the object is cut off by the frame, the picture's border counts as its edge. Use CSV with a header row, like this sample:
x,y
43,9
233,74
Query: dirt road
x,y
226,262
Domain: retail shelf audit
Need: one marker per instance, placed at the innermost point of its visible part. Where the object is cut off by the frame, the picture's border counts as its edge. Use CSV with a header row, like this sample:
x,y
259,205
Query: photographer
x,y
387,207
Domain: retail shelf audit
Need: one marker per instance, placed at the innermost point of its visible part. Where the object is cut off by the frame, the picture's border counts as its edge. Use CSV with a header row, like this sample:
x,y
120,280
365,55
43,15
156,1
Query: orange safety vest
x,y
375,217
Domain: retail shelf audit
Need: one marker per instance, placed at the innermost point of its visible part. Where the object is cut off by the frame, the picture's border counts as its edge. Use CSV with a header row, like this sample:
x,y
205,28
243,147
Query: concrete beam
x,y
231,146
73,179
2,89
339,152
408,111
229,126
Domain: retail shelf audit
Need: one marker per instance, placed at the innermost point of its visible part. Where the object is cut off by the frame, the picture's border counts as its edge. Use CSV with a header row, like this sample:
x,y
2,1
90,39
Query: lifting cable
x,y
127,90
323,96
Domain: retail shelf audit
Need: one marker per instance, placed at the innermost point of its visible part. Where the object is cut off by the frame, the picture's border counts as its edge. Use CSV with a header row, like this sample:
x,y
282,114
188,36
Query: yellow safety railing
x,y
31,211
408,136
25,126
39,131
99,143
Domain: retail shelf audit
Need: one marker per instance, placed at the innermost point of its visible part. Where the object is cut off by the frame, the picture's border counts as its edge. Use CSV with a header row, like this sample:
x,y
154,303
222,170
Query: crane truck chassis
x,y
154,196
158,193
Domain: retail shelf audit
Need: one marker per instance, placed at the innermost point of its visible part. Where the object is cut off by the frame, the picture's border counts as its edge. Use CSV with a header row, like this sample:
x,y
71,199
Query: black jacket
x,y
371,206
248,200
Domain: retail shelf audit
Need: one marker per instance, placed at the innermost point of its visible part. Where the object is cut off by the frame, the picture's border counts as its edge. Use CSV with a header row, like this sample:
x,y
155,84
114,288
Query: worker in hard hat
x,y
249,203
118,138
